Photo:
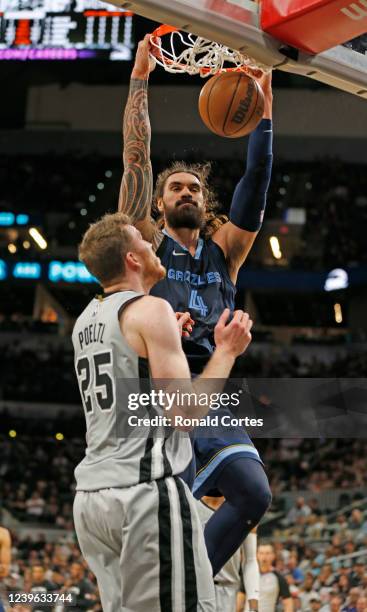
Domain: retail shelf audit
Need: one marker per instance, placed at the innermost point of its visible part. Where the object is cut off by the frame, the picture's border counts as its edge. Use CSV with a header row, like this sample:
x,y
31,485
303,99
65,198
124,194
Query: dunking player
x,y
202,254
136,521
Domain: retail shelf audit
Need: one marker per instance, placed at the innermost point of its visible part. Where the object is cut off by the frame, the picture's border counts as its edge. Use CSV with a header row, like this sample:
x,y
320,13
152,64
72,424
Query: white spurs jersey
x,y
118,454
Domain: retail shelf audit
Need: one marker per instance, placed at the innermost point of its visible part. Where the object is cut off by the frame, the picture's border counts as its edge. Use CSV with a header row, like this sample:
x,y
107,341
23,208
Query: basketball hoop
x,y
198,55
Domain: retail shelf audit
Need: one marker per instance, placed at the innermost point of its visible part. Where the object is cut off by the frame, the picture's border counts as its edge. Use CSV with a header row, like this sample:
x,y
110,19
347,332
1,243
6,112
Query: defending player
x,y
135,519
202,254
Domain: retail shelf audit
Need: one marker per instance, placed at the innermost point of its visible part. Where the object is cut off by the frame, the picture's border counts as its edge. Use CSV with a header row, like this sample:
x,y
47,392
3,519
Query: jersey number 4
x,y
197,303
96,382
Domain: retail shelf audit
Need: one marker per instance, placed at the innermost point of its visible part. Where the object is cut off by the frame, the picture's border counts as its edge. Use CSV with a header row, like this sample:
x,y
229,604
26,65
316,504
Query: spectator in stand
x,y
314,526
59,564
299,510
358,573
294,569
315,604
293,587
344,585
355,519
351,602
81,588
18,505
334,604
341,524
361,605
314,504
35,505
306,556
52,509
40,585
307,591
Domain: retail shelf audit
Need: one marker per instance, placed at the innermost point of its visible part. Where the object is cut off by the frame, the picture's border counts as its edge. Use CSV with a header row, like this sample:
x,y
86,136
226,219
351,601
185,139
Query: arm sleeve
x,y
250,567
249,198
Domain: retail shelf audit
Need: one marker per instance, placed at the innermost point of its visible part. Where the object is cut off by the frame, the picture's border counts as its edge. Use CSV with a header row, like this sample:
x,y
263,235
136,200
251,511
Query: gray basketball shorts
x,y
146,547
226,598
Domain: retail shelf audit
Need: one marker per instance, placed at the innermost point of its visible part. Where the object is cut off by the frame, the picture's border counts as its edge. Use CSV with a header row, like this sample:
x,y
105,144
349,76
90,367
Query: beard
x,y
153,270
190,217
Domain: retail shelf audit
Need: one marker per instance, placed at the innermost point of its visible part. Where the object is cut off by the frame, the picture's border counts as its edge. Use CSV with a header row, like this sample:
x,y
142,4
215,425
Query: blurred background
x,y
304,283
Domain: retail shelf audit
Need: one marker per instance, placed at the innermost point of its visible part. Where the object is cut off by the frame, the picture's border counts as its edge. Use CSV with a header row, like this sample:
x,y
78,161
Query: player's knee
x,y
245,486
255,501
260,500
264,497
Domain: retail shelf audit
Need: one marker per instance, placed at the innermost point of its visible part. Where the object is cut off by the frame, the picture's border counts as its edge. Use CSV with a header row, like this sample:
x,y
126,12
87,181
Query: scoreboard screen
x,y
64,30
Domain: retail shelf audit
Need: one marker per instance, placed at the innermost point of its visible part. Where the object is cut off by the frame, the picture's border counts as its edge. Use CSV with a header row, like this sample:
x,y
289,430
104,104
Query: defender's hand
x,y
185,323
235,337
144,62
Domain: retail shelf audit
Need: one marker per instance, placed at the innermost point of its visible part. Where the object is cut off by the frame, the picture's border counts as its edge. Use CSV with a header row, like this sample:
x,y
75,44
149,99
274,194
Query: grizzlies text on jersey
x,y
199,284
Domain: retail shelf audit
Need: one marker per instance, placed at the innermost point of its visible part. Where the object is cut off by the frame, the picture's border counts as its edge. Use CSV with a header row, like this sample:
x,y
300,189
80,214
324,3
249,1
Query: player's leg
x,y
188,475
100,546
225,598
243,482
163,535
194,533
120,533
240,602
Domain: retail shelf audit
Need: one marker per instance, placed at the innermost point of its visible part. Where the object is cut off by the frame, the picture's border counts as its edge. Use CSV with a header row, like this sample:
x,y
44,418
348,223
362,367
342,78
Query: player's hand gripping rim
x,y
144,61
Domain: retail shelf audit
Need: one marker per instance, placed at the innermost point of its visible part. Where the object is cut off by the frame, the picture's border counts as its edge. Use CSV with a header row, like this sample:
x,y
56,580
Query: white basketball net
x,y
200,56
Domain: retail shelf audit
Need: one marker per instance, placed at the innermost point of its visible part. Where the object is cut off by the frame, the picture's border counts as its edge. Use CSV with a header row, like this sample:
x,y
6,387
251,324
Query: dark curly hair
x,y
213,219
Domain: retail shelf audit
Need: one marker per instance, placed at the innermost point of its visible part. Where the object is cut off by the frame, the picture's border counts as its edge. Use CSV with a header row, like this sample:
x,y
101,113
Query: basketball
x,y
231,104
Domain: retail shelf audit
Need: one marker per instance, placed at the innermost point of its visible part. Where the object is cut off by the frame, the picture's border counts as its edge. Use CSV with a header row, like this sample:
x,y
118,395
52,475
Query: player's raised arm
x,y
249,199
137,181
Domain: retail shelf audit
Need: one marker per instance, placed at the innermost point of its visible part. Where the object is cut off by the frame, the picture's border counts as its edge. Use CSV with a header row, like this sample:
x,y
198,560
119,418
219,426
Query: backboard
x,y
235,23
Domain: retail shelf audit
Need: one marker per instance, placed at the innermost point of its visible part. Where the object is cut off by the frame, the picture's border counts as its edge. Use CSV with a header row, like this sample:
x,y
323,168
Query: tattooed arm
x,y
137,182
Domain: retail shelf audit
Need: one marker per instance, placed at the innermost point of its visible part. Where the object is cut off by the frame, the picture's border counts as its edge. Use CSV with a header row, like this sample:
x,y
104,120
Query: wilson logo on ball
x,y
244,106
231,104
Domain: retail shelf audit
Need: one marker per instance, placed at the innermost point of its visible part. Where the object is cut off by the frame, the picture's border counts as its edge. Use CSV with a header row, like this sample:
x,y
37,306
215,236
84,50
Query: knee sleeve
x,y
244,485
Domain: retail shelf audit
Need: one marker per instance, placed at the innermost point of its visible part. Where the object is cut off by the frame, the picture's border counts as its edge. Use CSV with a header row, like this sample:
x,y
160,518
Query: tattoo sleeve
x,y
137,181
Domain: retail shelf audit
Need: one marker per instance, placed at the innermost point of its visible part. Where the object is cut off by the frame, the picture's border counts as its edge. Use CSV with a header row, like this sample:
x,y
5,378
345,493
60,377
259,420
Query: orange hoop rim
x,y
162,30
165,29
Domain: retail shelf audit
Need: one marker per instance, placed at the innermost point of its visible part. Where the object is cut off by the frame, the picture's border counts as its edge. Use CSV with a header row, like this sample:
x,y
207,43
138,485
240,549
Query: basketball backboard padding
x,y
339,67
235,23
313,26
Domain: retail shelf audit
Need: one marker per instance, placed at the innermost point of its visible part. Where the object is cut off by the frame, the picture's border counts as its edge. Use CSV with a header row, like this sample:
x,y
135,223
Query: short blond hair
x,y
104,246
